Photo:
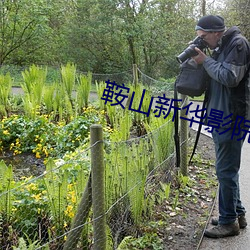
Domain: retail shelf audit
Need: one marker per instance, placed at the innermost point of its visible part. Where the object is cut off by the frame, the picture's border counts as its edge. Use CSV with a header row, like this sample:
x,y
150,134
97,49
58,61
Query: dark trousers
x,y
228,147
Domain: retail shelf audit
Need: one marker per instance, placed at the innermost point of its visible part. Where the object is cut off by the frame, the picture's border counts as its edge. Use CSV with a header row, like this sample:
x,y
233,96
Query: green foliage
x,y
43,137
126,172
34,81
100,87
140,100
23,25
184,181
127,160
23,245
147,241
103,36
57,188
161,130
30,206
68,74
5,89
83,90
48,98
121,121
164,192
6,184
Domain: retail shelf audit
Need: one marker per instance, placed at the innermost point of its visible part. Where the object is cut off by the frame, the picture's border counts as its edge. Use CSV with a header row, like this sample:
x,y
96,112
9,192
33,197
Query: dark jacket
x,y
229,89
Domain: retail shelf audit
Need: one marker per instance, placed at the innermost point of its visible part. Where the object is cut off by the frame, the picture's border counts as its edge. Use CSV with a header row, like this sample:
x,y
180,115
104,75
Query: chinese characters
x,y
163,106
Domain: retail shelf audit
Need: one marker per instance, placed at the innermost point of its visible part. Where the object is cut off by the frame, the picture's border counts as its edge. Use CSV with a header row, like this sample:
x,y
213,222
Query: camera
x,y
190,51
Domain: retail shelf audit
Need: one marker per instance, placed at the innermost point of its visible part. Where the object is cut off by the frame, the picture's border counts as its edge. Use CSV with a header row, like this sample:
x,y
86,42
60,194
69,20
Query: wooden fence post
x,y
80,218
98,195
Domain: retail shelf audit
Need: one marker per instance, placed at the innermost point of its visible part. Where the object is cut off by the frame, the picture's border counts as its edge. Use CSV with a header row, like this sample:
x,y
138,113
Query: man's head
x,y
211,29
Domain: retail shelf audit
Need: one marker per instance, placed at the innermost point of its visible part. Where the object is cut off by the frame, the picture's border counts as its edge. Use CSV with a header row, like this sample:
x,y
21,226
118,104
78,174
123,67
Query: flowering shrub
x,y
43,137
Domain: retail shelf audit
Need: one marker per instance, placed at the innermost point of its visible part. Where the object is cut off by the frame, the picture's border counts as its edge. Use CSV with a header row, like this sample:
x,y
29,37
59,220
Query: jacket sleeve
x,y
234,66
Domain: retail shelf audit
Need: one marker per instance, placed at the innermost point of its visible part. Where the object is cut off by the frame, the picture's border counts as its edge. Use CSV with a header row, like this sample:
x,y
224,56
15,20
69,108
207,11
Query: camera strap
x,y
199,127
176,126
176,135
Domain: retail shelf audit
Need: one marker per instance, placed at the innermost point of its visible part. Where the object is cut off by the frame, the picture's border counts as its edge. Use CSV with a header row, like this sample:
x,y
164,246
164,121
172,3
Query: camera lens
x,y
187,53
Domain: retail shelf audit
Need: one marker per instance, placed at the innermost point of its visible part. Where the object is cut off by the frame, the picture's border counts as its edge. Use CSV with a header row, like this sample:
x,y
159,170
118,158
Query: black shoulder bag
x,y
192,79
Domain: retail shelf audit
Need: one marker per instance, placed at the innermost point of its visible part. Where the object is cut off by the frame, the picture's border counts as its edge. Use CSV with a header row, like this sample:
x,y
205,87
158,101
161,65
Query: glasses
x,y
203,36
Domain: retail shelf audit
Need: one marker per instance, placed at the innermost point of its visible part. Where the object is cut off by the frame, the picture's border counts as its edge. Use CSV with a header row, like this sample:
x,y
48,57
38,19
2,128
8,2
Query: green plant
x,y
147,241
83,90
44,137
56,187
176,199
184,181
126,173
68,74
140,103
48,98
160,131
30,207
6,184
5,90
164,191
34,81
100,87
28,244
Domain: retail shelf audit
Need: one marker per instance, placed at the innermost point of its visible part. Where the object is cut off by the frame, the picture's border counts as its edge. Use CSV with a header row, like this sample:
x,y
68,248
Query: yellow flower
x,y
16,152
37,196
31,187
73,199
14,209
38,156
6,132
69,211
45,151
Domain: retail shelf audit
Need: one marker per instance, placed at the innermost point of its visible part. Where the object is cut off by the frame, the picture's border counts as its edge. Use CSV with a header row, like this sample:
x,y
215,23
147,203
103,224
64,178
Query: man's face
x,y
211,38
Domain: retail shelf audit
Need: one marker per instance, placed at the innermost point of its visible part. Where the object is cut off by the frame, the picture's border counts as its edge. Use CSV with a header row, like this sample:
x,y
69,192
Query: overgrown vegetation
x,y
54,124
107,36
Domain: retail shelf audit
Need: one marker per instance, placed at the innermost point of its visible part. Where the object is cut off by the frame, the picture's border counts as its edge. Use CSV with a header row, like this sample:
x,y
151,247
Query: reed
x,y
34,80
83,90
5,90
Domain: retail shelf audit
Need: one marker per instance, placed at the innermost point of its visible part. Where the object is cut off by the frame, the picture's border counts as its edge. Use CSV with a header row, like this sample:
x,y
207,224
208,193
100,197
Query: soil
x,y
25,164
186,223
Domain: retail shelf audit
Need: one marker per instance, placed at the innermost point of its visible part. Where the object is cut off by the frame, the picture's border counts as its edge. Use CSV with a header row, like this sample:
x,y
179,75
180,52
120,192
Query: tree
x,y
237,12
21,21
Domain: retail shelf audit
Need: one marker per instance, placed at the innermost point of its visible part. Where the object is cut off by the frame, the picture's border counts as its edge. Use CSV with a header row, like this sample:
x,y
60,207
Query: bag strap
x,y
176,123
202,114
199,127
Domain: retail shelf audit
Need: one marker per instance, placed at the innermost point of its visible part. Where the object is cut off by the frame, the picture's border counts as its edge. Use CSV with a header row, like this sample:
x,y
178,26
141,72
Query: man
x,y
229,107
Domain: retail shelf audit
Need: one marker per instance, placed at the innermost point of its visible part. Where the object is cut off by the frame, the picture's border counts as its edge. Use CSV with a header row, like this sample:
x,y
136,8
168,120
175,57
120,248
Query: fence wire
x,y
42,212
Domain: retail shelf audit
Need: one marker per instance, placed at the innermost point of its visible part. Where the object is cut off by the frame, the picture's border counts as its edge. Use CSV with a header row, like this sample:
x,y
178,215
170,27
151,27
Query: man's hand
x,y
200,58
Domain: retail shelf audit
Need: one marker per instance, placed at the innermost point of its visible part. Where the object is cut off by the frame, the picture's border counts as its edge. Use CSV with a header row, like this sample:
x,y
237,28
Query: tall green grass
x,y
5,90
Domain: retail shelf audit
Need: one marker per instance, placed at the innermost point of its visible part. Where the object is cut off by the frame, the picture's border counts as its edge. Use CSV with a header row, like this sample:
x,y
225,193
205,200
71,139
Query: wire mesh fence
x,y
41,210
55,210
